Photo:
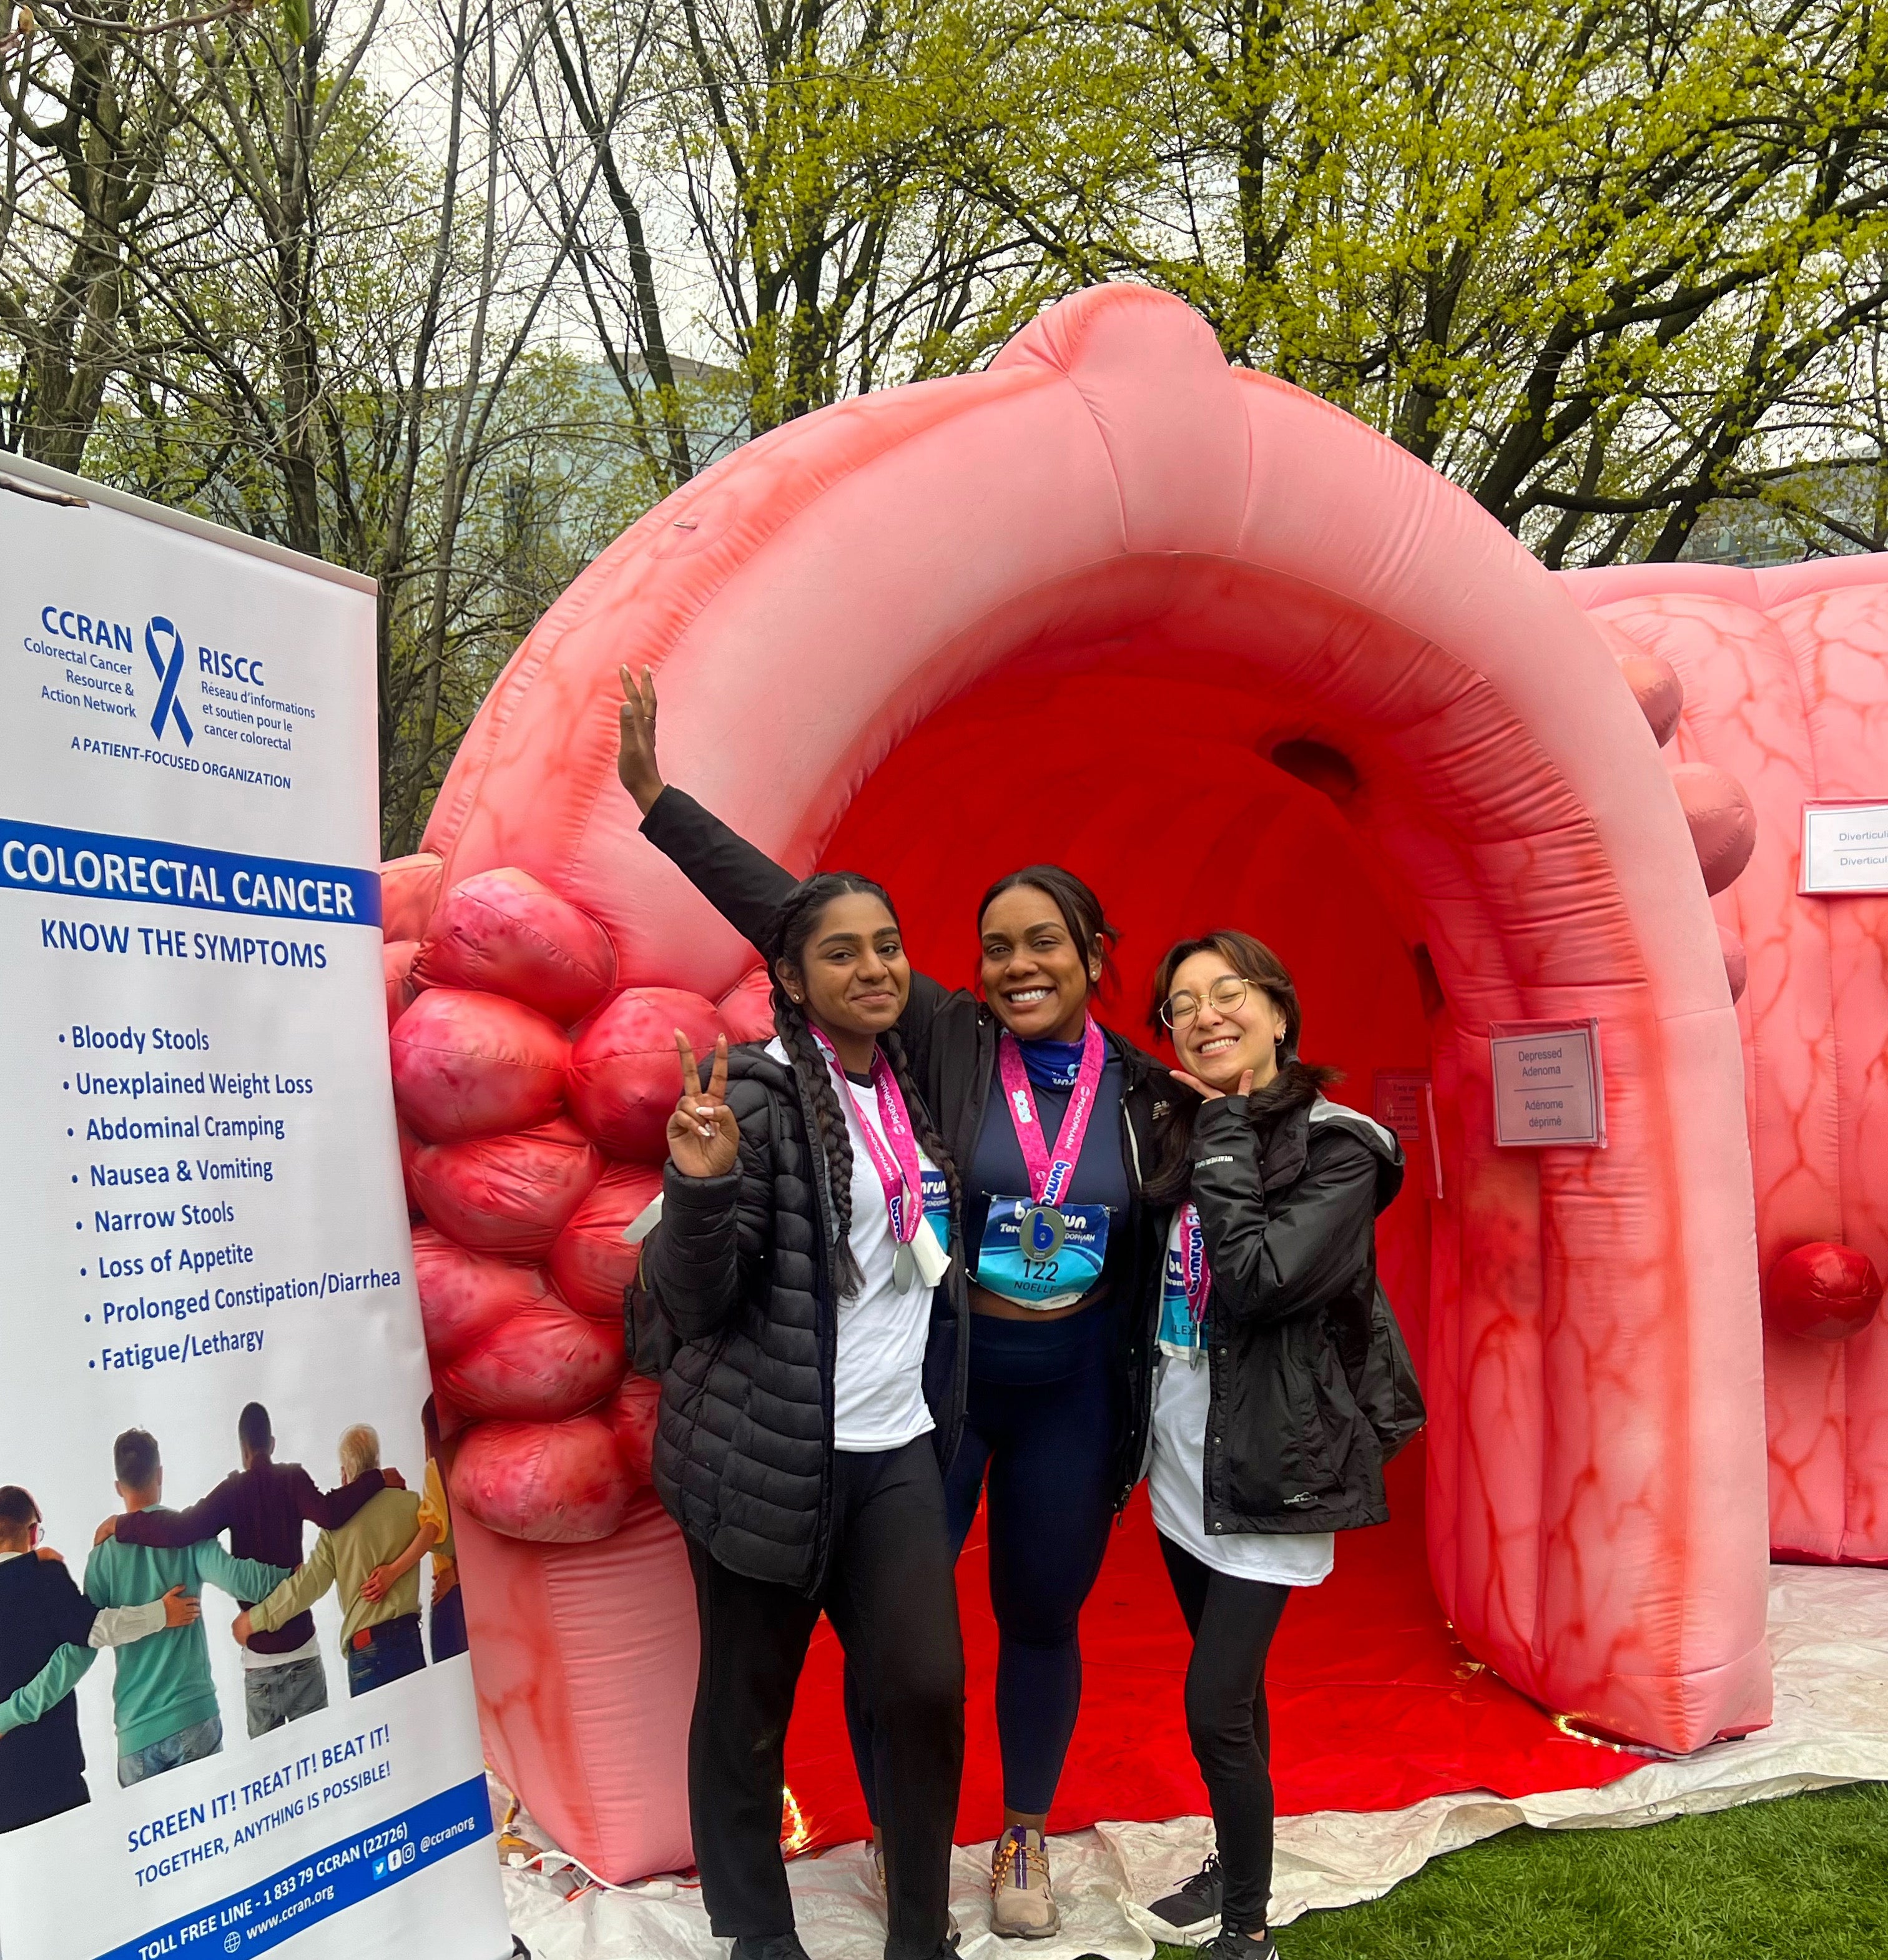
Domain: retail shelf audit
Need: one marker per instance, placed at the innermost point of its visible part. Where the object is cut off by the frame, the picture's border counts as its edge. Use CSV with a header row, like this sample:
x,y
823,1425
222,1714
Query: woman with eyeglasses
x,y
1051,1122
1281,1386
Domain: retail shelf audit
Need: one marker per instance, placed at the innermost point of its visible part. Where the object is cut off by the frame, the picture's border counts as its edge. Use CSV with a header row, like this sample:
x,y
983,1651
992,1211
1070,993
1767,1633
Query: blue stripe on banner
x,y
325,1882
89,864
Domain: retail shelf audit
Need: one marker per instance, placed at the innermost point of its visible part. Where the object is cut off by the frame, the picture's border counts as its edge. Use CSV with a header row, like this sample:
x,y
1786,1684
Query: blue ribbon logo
x,y
170,671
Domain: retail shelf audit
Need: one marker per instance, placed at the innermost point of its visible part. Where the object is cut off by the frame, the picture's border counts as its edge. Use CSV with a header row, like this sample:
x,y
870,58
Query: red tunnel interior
x,y
1094,765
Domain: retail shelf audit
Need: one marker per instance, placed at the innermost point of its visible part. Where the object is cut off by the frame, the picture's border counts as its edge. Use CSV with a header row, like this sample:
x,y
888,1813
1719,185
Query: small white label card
x,y
1548,1085
1845,848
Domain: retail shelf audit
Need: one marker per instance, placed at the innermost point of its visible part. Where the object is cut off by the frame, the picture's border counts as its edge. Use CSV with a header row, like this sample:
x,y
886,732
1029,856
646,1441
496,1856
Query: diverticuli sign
x,y
210,1280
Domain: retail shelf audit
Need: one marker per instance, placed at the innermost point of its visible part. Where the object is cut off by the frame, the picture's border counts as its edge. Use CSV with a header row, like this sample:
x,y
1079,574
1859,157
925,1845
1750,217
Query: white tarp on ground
x,y
1828,1637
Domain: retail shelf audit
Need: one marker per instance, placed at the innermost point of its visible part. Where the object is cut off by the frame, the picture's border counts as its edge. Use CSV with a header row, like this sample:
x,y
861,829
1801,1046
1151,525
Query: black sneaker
x,y
1196,1904
1228,1943
769,1946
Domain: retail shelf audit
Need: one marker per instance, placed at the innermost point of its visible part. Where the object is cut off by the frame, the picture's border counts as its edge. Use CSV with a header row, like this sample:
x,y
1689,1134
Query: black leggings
x,y
891,1600
1232,1622
1040,1424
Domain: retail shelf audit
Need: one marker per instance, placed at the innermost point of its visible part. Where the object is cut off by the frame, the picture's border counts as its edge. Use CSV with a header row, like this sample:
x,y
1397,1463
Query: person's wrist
x,y
649,793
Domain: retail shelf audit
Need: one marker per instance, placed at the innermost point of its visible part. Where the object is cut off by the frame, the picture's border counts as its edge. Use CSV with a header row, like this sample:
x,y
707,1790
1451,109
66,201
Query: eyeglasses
x,y
1228,995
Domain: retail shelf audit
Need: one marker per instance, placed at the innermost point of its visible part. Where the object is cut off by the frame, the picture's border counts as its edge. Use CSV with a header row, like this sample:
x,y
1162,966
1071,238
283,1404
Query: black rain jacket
x,y
1312,1388
950,1037
734,1305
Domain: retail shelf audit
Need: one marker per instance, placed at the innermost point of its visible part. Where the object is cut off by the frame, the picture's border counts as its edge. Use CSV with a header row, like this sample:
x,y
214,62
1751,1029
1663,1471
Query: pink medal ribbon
x,y
1193,1260
899,1174
1049,1176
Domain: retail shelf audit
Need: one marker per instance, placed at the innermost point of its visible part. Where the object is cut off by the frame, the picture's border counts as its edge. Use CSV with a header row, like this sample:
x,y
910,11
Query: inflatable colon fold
x,y
1235,658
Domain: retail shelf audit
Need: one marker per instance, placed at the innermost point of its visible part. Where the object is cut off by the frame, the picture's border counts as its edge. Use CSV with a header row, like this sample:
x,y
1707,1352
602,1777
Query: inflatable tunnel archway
x,y
1238,660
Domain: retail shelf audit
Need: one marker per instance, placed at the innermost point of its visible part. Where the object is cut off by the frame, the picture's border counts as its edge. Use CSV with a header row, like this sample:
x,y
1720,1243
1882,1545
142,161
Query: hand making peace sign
x,y
703,1137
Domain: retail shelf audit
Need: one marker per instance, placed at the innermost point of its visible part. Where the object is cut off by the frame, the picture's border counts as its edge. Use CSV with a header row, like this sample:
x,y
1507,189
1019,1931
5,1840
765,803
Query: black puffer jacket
x,y
1312,1388
739,1272
951,1038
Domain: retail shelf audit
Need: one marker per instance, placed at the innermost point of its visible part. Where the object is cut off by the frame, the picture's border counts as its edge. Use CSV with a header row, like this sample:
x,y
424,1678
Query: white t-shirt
x,y
877,1400
1176,1477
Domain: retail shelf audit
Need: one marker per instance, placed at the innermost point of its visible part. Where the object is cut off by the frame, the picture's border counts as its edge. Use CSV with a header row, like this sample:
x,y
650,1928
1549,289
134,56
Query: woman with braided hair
x,y
807,1266
1051,1119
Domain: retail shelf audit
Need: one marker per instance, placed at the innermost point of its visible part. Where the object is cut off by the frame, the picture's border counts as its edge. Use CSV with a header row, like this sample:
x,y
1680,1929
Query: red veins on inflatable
x,y
470,1065
1784,673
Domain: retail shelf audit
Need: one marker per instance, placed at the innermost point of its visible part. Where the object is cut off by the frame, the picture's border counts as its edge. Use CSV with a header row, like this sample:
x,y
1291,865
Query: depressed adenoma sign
x,y
211,1332
1548,1086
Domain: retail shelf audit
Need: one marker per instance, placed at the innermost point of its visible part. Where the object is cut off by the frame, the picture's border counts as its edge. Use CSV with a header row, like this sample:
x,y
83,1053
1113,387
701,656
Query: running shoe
x,y
1194,1908
1021,1906
1229,1944
769,1946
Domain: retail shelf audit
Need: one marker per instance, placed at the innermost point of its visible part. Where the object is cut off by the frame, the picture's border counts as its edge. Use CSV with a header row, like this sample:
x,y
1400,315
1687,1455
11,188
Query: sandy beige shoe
x,y
877,1874
1021,1905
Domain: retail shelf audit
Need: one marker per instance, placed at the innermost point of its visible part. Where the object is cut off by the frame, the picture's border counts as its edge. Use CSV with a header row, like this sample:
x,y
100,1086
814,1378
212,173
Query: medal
x,y
904,1268
1042,1231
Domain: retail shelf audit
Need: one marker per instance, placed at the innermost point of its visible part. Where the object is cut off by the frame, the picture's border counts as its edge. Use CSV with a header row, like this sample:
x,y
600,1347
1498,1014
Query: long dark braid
x,y
792,926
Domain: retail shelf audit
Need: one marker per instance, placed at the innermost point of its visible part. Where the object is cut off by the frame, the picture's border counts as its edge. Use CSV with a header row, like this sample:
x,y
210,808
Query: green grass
x,y
1805,1877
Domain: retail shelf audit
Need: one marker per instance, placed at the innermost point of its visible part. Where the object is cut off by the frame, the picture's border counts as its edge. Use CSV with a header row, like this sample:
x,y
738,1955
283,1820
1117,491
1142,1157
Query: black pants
x,y
1232,1622
890,1596
1041,1425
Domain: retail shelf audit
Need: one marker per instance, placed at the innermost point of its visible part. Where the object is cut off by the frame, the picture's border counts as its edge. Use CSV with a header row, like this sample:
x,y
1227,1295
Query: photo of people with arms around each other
x,y
163,1700
433,1532
1282,1386
1051,1121
380,1638
804,1296
49,1632
263,1507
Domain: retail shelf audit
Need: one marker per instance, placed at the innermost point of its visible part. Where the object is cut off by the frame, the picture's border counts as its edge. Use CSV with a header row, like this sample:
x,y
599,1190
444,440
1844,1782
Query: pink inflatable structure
x,y
1784,676
1235,658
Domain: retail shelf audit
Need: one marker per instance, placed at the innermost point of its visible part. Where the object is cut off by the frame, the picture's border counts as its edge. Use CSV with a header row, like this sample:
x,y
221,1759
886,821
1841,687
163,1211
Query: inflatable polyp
x,y
1724,827
1237,660
553,1483
409,889
747,1010
1785,678
465,1296
470,1065
625,1077
590,1263
542,1362
512,1195
396,966
502,932
1822,1293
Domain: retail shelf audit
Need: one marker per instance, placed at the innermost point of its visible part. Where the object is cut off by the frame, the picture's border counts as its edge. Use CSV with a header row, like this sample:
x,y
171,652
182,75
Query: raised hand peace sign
x,y
636,740
703,1137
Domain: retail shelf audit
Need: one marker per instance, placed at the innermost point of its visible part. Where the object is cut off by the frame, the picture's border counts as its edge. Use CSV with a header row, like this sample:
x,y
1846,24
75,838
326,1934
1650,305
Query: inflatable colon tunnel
x,y
1237,659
